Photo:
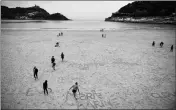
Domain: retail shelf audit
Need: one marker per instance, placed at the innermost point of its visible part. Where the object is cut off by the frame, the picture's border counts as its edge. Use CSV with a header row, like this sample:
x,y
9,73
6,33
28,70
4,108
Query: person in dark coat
x,y
61,34
35,70
57,44
62,56
172,48
153,44
52,59
74,90
45,87
161,44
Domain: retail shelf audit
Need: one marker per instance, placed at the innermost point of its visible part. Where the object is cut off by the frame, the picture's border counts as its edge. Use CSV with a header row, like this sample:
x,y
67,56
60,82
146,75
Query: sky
x,y
76,10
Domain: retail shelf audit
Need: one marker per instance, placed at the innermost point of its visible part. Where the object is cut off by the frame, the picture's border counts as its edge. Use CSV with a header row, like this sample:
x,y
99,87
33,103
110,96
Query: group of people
x,y
161,45
57,43
60,34
53,60
103,35
101,30
45,83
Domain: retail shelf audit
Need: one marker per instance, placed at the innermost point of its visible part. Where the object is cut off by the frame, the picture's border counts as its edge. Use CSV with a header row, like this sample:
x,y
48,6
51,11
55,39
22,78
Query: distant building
x,y
36,6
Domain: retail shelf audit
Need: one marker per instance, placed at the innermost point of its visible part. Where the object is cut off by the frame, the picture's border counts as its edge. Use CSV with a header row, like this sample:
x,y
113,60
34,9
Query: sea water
x,y
77,25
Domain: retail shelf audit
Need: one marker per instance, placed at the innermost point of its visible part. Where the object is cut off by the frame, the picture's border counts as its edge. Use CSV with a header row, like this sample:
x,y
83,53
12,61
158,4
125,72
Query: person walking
x,y
161,44
45,87
52,59
62,56
172,48
153,44
75,89
35,70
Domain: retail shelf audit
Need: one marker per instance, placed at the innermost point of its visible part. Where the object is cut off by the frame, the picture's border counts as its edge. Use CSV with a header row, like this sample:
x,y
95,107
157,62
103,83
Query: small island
x,y
29,13
160,12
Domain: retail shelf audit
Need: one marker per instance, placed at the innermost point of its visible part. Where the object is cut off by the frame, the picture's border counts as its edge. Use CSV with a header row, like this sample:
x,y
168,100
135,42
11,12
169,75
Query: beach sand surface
x,y
121,71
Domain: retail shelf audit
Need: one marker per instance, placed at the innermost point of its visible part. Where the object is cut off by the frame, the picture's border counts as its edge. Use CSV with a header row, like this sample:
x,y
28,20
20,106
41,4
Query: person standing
x,y
52,59
45,87
35,70
153,44
161,44
172,48
62,56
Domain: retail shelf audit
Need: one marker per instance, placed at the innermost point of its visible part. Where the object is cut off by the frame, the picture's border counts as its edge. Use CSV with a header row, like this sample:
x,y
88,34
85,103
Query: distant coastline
x,y
149,20
157,12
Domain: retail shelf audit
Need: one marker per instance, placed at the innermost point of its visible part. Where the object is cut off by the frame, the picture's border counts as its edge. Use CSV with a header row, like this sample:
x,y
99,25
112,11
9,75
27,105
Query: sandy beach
x,y
121,71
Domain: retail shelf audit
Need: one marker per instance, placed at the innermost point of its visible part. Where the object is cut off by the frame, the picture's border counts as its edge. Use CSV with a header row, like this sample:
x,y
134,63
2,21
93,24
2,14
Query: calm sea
x,y
78,25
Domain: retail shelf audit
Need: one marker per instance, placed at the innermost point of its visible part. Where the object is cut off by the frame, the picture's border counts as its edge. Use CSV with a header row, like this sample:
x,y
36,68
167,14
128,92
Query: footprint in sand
x,y
69,100
36,91
31,92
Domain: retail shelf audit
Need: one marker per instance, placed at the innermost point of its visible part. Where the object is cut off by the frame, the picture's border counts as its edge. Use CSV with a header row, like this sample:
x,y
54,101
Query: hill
x,y
29,13
146,11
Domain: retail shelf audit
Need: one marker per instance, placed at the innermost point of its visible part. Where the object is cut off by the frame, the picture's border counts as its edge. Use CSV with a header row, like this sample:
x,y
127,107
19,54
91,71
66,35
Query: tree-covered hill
x,y
138,9
34,13
149,8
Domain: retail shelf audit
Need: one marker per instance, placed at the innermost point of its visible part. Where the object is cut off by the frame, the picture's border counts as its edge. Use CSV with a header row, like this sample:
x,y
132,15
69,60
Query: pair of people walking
x,y
53,60
103,35
60,34
45,85
74,90
161,44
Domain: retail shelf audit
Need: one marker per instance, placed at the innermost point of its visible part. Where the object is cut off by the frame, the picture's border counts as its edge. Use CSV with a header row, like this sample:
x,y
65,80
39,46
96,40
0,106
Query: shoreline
x,y
147,20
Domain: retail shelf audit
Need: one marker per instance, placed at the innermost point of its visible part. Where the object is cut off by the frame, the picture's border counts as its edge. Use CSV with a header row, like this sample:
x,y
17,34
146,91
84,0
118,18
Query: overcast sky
x,y
85,10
